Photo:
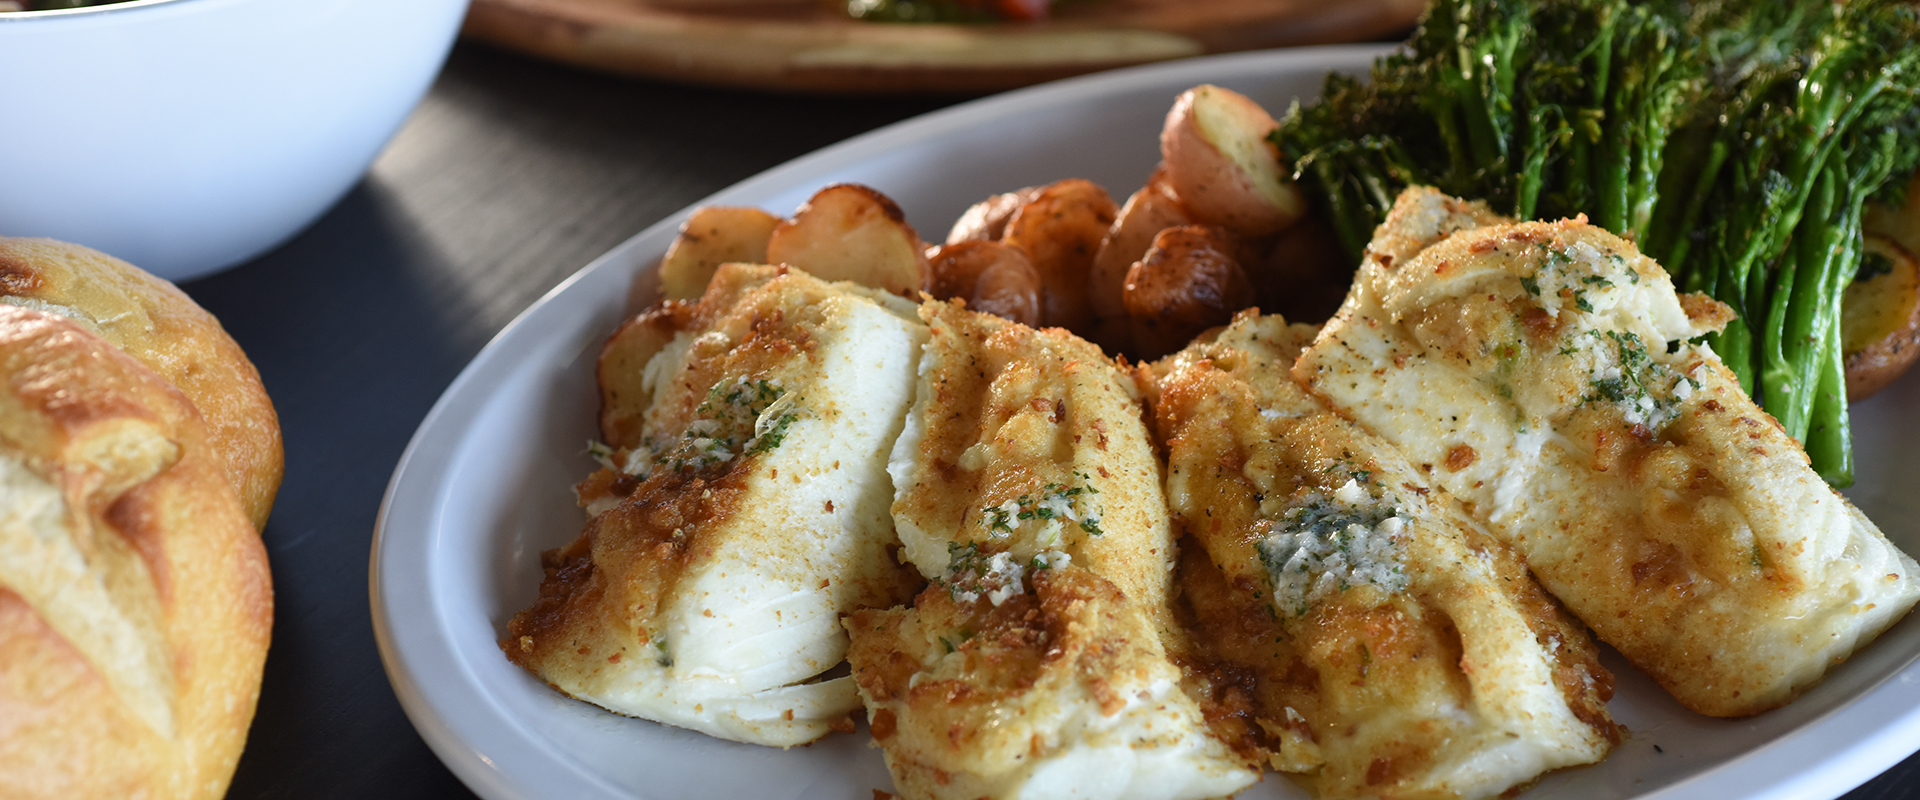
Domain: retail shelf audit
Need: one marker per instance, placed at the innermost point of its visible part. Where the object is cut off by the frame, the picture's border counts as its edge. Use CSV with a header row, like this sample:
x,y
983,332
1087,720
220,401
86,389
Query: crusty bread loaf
x,y
164,329
135,603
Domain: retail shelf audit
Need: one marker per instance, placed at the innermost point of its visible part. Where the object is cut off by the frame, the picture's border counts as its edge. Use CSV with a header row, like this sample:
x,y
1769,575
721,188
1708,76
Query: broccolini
x,y
1735,142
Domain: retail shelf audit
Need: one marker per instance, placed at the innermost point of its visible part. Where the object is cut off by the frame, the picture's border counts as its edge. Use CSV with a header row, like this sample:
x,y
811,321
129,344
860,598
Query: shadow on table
x,y
341,323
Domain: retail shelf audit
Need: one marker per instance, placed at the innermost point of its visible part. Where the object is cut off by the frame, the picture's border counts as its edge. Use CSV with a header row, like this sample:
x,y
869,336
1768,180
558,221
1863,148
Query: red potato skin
x,y
1877,365
987,219
1152,209
852,232
1214,186
1879,362
1188,281
991,277
1061,229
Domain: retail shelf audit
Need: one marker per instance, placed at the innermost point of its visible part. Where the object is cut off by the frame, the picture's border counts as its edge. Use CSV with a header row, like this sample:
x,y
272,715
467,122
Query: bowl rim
x,y
121,6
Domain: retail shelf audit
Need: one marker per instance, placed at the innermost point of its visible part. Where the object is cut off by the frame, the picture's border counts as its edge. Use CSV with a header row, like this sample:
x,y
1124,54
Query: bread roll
x,y
135,604
164,329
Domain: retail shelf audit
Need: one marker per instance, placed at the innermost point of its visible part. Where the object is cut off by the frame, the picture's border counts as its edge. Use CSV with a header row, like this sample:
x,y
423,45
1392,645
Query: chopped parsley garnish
x,y
1344,466
740,417
1647,392
1554,281
973,573
1325,543
602,453
1054,501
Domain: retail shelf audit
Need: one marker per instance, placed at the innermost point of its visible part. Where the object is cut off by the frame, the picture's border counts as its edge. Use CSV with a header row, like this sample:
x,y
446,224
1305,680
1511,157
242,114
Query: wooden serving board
x,y
809,46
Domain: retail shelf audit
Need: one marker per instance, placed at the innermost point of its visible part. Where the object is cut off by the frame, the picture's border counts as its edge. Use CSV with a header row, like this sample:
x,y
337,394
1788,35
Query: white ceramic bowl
x,y
187,136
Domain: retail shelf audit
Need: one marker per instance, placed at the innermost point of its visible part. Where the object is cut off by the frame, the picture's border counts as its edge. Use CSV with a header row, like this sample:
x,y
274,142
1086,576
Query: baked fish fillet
x,y
1542,373
1034,666
745,510
1389,646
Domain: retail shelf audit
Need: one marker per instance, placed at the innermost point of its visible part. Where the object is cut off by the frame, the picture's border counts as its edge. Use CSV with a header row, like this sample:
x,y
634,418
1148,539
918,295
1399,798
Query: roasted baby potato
x,y
992,277
1187,282
624,391
1878,326
1149,211
1060,229
1222,166
1880,318
711,236
849,232
1901,225
987,219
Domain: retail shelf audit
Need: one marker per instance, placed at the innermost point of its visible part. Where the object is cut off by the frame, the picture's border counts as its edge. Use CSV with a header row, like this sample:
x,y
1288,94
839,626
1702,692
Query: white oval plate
x,y
486,485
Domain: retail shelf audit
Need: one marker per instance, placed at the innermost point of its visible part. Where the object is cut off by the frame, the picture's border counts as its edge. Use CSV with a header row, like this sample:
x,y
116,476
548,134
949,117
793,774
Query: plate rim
x,y
1890,708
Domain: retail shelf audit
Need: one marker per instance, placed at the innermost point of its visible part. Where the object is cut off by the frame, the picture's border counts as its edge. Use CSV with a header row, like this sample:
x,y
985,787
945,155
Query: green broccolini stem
x,y
1610,95
1546,126
1830,440
1792,332
1668,234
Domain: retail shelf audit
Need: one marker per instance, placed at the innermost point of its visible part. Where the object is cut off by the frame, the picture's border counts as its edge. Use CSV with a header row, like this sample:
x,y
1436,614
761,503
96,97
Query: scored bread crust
x,y
160,326
135,602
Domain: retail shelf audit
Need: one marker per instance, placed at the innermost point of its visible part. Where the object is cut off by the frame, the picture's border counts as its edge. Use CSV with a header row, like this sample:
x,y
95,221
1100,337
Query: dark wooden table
x,y
513,174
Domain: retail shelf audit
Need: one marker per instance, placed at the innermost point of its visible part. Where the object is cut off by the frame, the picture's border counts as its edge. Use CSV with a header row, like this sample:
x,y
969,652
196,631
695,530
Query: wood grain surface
x,y
810,46
513,174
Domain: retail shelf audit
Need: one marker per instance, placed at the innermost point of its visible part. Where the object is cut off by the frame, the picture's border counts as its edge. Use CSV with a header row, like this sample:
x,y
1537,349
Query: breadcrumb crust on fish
x,y
1640,483
744,513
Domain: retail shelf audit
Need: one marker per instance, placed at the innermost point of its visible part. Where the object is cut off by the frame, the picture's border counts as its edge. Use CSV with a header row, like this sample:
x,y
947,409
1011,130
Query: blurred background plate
x,y
813,47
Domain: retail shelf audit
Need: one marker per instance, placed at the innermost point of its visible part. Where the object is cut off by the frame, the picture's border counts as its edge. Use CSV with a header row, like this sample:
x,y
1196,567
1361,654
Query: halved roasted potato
x,y
625,392
993,278
849,232
1902,225
1147,212
1880,318
711,236
1221,164
1060,229
987,219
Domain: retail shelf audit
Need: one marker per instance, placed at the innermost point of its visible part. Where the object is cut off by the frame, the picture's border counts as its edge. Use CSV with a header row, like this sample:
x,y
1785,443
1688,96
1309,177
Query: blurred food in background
x,y
50,5
956,46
